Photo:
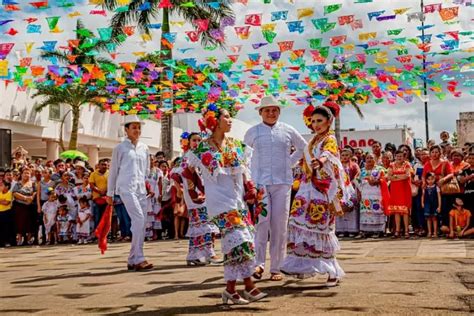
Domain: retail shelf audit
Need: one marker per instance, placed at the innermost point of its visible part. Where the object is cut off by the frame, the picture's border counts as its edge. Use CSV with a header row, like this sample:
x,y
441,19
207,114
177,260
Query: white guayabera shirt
x,y
272,160
129,168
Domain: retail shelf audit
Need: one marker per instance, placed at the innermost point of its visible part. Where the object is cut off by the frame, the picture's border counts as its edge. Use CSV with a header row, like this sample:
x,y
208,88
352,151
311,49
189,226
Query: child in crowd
x,y
50,209
63,224
459,221
431,203
83,220
71,208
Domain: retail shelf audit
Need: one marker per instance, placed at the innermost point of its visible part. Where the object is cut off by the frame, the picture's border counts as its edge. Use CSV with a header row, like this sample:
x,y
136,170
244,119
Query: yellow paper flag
x,y
401,10
3,67
268,27
367,36
146,37
74,14
29,46
381,58
304,12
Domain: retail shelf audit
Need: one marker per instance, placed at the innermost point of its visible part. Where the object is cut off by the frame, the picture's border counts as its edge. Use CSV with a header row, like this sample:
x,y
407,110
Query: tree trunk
x,y
166,118
76,113
61,131
337,129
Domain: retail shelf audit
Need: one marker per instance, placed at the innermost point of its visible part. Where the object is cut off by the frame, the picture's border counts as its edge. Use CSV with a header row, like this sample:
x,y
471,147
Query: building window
x,y
54,112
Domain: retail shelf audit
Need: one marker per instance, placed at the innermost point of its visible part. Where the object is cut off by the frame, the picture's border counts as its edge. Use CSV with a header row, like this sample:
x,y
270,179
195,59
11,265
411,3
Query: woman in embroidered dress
x,y
200,229
399,175
374,198
224,165
349,222
312,242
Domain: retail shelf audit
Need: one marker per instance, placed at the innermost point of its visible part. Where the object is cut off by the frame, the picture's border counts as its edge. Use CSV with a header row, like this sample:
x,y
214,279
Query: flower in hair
x,y
308,111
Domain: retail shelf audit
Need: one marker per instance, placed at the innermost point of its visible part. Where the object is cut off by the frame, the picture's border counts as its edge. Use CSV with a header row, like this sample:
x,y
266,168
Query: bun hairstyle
x,y
328,109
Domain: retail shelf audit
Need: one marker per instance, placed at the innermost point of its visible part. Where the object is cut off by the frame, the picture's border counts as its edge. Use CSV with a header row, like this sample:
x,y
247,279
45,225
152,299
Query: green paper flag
x,y
394,32
328,27
121,9
332,8
52,22
324,51
269,36
84,33
441,96
105,33
372,51
319,23
378,101
315,43
403,51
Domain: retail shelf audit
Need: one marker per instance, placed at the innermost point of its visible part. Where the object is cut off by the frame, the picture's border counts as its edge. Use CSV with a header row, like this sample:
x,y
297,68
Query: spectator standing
x,y
24,193
374,197
50,212
6,214
443,171
377,152
400,192
98,183
466,178
431,204
349,222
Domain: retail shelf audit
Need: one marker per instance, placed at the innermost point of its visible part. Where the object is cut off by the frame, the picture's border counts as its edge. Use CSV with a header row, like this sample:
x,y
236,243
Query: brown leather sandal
x,y
143,266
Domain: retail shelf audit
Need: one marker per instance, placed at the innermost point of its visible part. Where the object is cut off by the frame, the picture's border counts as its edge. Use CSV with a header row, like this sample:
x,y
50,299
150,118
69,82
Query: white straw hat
x,y
132,119
268,101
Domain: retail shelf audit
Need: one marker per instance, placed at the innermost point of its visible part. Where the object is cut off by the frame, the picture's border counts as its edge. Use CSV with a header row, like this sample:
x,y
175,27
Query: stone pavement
x,y
409,277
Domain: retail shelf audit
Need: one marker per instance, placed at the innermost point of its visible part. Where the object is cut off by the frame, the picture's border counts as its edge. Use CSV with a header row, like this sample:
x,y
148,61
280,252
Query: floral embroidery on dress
x,y
211,159
261,207
240,254
234,219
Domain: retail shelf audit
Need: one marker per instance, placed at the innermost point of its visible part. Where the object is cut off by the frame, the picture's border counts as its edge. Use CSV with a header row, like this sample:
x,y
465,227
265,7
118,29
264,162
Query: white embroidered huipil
x,y
128,170
271,167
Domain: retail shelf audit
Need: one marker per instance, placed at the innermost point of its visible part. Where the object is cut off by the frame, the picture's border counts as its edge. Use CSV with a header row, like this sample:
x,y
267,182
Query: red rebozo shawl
x,y
103,228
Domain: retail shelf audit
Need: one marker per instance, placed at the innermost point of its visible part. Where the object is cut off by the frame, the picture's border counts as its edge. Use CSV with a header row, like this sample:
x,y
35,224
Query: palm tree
x,y
342,88
82,51
199,10
74,95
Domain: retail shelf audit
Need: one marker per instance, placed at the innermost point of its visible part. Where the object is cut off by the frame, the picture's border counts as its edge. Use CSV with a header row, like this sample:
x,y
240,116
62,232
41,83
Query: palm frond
x,y
61,56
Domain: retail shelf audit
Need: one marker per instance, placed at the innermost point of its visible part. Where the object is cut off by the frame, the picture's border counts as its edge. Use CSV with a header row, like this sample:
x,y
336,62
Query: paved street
x,y
414,277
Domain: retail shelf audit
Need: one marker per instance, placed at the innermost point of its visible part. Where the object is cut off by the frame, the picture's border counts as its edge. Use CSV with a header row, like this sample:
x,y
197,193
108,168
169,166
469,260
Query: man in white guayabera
x,y
128,171
271,167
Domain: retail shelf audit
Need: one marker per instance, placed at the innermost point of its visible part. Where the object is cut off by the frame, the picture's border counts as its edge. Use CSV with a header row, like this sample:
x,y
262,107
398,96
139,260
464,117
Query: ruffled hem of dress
x,y
310,267
204,251
239,271
236,238
207,228
324,242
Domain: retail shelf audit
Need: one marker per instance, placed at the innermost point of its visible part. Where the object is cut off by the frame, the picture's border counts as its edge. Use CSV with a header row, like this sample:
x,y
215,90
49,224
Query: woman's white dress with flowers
x,y
312,243
223,176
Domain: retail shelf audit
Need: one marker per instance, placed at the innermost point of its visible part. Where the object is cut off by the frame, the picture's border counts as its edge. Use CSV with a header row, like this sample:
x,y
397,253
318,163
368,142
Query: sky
x,y
442,114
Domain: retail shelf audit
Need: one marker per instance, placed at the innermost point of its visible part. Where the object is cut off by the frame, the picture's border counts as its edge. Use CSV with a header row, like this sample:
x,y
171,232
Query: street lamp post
x,y
425,91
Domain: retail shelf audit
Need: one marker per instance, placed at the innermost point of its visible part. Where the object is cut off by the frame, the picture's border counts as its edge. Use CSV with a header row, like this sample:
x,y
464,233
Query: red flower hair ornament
x,y
209,118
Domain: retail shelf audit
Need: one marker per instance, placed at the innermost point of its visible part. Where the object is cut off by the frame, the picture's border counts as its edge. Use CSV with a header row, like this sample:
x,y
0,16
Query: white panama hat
x,y
132,119
268,101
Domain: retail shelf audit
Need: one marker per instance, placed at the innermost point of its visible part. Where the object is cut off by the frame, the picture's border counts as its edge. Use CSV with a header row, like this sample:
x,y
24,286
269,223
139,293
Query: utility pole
x,y
425,91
